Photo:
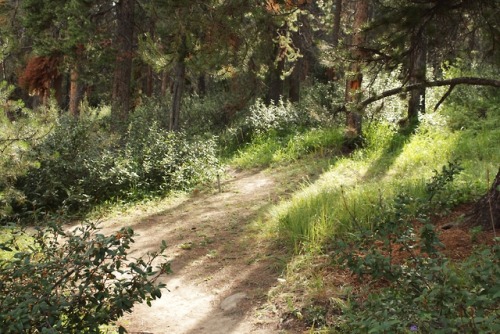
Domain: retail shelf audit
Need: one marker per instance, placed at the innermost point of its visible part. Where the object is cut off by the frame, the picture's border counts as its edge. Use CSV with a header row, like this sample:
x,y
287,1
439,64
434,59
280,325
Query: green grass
x,y
271,149
349,194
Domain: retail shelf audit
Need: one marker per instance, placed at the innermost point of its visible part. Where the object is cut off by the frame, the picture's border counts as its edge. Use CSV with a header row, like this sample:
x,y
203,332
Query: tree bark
x,y
355,78
417,75
275,83
75,91
486,211
202,85
295,77
337,14
178,90
294,82
121,95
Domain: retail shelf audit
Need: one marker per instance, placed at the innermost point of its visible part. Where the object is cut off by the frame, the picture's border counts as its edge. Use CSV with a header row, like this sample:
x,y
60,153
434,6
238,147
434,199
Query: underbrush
x,y
278,132
274,149
346,197
72,281
392,276
384,186
80,163
412,286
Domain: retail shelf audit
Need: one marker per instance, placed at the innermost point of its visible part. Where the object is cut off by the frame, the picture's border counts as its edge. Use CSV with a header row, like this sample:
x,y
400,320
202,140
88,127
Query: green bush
x,y
166,160
72,282
425,293
80,164
278,119
282,117
208,114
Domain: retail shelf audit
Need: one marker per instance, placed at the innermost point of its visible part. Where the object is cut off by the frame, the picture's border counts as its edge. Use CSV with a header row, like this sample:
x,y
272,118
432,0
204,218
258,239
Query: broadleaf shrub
x,y
73,282
422,291
281,116
80,164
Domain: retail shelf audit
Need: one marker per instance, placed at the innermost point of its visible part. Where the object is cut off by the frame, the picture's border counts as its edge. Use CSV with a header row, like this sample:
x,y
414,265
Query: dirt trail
x,y
214,256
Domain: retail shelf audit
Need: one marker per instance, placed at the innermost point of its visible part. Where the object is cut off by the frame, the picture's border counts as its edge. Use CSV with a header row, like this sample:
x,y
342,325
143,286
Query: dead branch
x,y
473,81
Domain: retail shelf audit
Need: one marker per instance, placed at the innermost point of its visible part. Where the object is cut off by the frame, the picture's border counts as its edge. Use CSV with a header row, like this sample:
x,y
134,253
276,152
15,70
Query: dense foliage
x,y
78,164
427,293
72,281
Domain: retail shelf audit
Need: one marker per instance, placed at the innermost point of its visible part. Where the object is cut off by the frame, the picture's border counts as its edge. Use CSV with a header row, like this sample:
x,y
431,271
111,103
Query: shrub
x,y
61,176
281,117
73,282
427,293
80,164
166,160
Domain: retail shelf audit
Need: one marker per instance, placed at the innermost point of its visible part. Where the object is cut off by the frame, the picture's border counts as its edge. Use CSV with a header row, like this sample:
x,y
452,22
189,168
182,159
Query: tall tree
x,y
217,41
337,10
417,75
124,44
75,31
355,76
179,78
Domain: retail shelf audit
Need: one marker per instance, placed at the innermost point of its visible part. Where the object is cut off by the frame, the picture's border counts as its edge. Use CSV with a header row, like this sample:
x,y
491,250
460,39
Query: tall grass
x,y
350,195
271,148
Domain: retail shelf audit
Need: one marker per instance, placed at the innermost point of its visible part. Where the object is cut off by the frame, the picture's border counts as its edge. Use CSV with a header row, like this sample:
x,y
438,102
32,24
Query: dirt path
x,y
222,272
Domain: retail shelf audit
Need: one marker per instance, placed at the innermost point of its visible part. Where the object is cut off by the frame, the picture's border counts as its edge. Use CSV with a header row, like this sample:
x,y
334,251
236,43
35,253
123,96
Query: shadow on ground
x,y
216,252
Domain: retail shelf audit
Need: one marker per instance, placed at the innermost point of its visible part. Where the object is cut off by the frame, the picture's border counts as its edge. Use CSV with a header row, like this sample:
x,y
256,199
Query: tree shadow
x,y
215,251
380,166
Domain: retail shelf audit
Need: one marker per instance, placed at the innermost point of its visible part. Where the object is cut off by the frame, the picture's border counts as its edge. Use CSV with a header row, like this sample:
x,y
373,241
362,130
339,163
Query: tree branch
x,y
448,92
450,82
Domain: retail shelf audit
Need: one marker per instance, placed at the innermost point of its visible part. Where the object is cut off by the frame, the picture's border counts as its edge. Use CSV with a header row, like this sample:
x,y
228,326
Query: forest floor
x,y
223,269
222,272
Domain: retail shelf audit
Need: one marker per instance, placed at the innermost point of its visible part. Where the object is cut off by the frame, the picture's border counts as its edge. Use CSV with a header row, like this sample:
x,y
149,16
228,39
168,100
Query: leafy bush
x,y
427,293
208,114
73,282
166,160
324,102
59,175
472,107
282,117
80,163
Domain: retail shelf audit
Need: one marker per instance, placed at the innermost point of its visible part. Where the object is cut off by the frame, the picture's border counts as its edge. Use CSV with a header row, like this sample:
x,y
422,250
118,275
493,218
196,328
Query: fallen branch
x,y
450,82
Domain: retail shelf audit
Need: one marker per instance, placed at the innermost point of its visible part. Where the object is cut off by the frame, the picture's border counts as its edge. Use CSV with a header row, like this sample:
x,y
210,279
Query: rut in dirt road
x,y
222,273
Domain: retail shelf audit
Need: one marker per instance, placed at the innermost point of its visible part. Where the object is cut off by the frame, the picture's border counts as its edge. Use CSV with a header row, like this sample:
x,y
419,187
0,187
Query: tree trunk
x,y
486,211
275,83
121,94
147,85
337,14
355,78
417,75
58,90
294,82
295,78
178,90
75,92
165,82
